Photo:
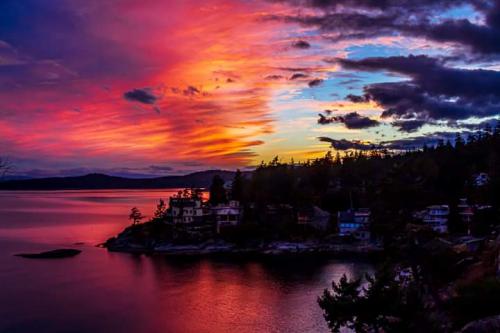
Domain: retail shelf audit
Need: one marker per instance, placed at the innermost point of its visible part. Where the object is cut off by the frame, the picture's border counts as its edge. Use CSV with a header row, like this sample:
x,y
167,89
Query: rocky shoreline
x,y
220,247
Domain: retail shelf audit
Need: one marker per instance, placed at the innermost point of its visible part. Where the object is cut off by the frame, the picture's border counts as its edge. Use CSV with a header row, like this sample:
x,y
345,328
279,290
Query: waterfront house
x,y
314,217
184,210
436,217
279,214
355,222
226,214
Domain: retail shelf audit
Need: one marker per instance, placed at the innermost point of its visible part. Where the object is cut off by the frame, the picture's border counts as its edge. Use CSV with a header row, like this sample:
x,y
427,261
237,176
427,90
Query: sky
x,y
152,87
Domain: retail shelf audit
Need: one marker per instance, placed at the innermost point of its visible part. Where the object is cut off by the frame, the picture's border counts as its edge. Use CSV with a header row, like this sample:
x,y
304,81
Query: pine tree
x,y
135,215
237,188
160,209
217,191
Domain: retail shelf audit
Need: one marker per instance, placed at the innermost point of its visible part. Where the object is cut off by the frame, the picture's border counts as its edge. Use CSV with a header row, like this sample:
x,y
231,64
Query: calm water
x,y
98,291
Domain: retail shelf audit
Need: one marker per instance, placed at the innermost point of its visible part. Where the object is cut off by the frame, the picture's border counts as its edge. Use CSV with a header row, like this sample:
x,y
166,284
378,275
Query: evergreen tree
x,y
217,191
237,188
459,142
160,210
135,215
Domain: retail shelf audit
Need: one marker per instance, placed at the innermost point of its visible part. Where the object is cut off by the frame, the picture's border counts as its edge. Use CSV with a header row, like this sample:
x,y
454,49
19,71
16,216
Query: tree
x,y
190,193
135,215
237,189
382,306
160,209
217,191
339,305
459,141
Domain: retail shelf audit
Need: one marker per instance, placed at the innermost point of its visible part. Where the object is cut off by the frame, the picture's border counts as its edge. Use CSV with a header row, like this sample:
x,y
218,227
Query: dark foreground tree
x,y
135,215
380,306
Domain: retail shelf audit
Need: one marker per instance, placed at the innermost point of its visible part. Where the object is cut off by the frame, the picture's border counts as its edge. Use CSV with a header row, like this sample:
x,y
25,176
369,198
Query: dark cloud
x,y
431,139
434,92
361,19
191,91
301,44
315,83
408,126
409,5
298,76
417,142
144,95
356,99
351,120
344,144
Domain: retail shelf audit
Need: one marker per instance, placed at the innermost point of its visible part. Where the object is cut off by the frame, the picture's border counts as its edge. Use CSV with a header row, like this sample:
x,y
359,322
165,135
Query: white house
x,y
228,214
184,210
355,223
436,217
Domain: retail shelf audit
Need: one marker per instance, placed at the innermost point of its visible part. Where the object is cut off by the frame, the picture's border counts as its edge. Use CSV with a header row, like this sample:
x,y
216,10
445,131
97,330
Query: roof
x,y
438,207
349,215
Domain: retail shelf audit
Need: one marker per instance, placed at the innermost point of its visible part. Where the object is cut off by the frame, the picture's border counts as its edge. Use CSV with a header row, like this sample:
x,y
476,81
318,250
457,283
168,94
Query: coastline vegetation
x,y
429,281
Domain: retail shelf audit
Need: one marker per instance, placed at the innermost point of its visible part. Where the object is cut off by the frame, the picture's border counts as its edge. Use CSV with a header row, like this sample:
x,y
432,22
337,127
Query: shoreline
x,y
272,249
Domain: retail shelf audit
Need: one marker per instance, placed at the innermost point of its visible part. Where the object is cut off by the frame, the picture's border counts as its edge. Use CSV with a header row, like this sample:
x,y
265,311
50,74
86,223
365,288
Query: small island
x,y
53,254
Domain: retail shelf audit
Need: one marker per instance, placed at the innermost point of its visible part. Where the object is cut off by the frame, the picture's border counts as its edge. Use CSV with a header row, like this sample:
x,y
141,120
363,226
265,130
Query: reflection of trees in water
x,y
248,293
288,270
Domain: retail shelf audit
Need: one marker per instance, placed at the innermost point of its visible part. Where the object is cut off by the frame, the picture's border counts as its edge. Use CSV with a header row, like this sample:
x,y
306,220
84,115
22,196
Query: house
x,y
227,214
315,217
436,217
466,213
279,214
355,222
480,179
184,210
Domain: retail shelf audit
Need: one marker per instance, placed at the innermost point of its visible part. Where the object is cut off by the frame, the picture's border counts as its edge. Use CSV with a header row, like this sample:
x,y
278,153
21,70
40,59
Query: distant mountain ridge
x,y
200,179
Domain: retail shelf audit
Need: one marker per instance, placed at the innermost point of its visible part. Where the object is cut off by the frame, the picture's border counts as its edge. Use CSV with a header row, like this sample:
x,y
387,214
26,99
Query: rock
x,y
485,325
54,254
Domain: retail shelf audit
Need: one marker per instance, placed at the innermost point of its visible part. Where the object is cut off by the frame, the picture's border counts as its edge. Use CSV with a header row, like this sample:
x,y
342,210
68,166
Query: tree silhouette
x,y
237,189
217,191
135,215
160,209
380,306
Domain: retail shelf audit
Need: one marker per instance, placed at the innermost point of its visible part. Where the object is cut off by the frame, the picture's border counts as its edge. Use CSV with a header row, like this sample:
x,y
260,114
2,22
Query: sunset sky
x,y
156,87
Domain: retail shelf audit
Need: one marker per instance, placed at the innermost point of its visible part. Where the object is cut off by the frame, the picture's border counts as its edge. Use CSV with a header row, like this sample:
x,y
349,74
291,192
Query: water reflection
x,y
99,291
